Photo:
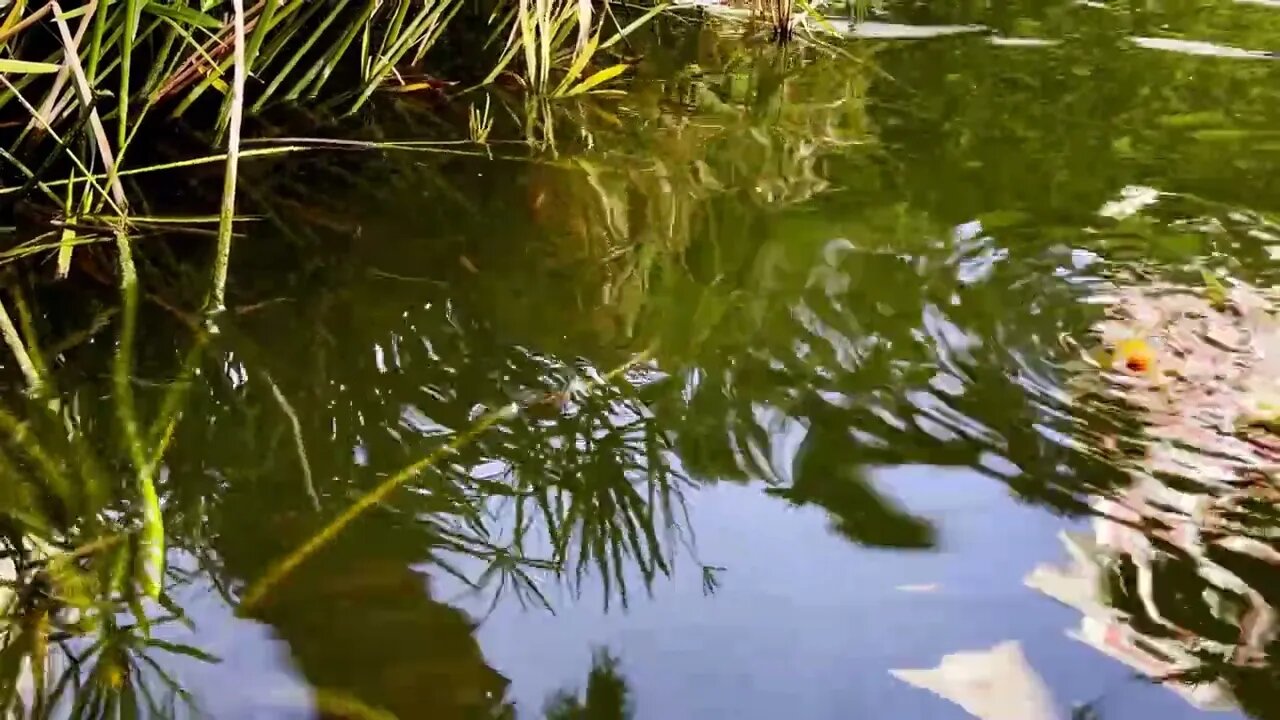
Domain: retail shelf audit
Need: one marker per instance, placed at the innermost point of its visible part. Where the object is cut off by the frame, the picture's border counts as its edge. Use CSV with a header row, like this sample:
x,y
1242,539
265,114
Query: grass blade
x,y
597,79
634,25
12,339
132,15
282,74
175,165
71,49
184,15
217,300
27,67
325,69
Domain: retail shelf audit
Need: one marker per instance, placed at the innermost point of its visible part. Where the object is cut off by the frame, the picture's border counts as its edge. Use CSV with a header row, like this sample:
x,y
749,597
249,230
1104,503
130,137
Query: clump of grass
x,y
293,46
538,34
80,83
65,64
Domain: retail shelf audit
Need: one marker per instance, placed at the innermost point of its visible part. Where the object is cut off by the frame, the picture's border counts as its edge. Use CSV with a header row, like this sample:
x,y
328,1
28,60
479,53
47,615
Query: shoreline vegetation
x,y
84,87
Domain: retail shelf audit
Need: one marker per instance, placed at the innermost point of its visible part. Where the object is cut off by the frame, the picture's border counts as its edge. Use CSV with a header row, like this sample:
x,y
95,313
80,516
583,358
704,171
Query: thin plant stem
x,y
14,341
301,447
92,178
89,176
152,540
30,340
26,22
81,83
217,300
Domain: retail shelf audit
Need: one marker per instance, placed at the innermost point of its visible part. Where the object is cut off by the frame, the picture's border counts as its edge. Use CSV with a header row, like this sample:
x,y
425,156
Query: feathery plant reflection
x,y
586,472
84,572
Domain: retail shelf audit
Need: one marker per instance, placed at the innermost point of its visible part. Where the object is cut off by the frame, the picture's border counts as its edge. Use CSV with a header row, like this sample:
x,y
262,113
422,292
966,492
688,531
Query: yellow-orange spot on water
x,y
1136,355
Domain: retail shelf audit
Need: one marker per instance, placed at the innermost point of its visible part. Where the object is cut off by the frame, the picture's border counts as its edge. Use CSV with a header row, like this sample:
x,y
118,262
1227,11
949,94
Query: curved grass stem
x,y
217,298
152,541
11,338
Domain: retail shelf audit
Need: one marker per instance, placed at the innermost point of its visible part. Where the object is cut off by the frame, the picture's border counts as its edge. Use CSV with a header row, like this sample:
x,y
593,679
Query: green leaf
x,y
579,64
181,649
631,27
183,14
1214,290
27,67
599,78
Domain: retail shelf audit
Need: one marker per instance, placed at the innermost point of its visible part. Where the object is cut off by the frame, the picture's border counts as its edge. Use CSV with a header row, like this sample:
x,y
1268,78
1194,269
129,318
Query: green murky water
x,y
858,271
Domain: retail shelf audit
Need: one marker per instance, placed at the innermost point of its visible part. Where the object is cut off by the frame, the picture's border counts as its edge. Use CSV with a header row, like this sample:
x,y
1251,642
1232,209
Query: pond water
x,y
793,331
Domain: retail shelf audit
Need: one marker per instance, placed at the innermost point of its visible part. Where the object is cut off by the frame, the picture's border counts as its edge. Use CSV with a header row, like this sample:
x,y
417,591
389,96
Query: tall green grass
x,y
79,82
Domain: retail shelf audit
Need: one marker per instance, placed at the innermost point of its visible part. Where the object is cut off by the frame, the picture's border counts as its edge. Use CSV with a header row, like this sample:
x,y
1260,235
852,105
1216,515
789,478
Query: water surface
x,y
857,270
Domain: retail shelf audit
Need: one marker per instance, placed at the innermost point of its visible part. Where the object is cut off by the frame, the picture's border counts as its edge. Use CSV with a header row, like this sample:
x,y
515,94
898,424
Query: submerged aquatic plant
x,y
82,524
77,637
287,564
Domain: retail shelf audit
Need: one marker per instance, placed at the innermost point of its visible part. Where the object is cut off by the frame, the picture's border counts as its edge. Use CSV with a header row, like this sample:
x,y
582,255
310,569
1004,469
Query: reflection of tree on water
x,y
823,475
362,621
606,696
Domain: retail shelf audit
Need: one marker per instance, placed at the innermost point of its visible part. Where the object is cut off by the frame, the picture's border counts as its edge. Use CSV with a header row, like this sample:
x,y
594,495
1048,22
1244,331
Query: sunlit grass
x,y
83,84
